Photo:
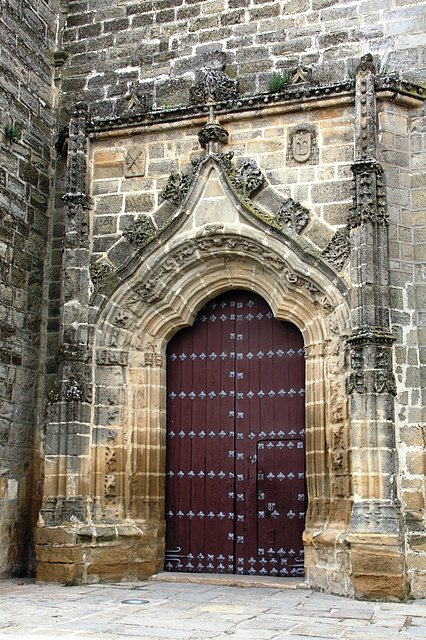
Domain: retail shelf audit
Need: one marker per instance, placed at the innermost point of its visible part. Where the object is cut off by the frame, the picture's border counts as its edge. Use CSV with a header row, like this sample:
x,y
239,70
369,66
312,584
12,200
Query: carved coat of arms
x,y
302,145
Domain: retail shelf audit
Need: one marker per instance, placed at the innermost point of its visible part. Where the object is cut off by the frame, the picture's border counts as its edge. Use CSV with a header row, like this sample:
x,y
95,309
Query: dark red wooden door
x,y
235,494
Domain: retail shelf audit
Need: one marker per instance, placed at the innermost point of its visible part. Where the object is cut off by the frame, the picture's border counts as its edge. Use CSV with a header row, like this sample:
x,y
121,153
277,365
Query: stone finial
x,y
216,85
367,64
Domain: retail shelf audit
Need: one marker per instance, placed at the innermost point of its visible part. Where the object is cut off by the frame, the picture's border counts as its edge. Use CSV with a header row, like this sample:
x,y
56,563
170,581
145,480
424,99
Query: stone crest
x,y
302,146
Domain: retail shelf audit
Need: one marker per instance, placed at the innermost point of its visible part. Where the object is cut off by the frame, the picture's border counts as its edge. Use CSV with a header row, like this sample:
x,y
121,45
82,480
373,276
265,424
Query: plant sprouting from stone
x,y
12,132
278,81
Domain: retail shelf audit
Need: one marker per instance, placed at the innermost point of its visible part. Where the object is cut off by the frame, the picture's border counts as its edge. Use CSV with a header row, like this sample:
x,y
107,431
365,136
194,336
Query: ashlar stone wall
x,y
27,125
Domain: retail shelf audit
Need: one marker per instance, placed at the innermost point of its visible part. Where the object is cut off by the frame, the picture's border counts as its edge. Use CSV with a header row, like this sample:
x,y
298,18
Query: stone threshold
x,y
231,580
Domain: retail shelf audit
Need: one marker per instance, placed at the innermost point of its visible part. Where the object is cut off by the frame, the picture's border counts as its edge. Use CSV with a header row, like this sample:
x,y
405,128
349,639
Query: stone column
x,y
67,444
375,525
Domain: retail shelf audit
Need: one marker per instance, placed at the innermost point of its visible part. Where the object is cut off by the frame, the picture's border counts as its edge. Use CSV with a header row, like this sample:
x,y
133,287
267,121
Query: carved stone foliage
x,y
370,196
293,215
177,187
151,289
140,232
302,146
212,132
102,274
337,251
216,86
248,178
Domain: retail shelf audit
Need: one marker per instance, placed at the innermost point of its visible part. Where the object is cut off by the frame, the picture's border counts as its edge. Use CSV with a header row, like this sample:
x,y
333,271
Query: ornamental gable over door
x,y
236,498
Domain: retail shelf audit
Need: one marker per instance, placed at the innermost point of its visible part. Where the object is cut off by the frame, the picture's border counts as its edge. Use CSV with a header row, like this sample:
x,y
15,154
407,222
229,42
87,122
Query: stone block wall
x,y
160,43
27,123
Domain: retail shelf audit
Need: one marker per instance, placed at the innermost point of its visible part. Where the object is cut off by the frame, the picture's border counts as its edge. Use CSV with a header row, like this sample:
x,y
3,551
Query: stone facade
x,y
206,146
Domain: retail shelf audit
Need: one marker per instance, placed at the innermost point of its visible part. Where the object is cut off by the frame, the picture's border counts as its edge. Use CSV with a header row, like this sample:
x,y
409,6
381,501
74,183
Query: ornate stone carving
x,y
150,290
356,381
384,376
151,357
369,203
371,362
293,216
177,187
248,177
108,357
99,273
77,151
140,232
215,86
213,132
302,146
110,486
337,251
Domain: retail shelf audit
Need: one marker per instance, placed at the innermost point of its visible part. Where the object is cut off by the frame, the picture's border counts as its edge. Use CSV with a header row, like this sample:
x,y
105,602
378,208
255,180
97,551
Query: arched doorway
x,y
235,496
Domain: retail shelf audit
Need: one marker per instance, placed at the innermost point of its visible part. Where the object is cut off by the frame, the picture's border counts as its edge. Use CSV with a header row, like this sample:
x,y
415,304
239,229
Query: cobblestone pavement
x,y
186,610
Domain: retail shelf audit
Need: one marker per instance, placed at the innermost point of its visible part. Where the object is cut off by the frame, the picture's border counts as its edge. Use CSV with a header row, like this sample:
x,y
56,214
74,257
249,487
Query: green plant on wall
x,y
277,81
12,132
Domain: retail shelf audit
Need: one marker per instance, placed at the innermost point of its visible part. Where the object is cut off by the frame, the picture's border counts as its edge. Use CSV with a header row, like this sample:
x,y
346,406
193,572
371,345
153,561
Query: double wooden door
x,y
235,494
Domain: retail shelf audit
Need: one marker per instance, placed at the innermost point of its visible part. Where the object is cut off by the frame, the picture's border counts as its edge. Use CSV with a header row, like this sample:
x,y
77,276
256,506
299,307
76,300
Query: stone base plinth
x,y
82,554
327,561
378,566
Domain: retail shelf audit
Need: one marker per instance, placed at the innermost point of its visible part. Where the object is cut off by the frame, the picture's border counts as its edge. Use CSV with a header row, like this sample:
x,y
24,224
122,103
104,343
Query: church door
x,y
235,494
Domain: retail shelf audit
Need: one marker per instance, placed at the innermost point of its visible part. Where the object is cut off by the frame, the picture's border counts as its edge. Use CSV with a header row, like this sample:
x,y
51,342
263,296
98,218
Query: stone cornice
x,y
296,97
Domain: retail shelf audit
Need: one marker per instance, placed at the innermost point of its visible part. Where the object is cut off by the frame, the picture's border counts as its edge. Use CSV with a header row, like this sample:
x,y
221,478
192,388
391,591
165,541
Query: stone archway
x,y
128,453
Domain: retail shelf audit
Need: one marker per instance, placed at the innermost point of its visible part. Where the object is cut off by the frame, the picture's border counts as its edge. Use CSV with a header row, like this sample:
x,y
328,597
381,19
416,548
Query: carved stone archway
x,y
128,460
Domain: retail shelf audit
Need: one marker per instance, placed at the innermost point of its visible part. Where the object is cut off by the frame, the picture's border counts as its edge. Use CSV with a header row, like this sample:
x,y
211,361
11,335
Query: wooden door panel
x,y
235,380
